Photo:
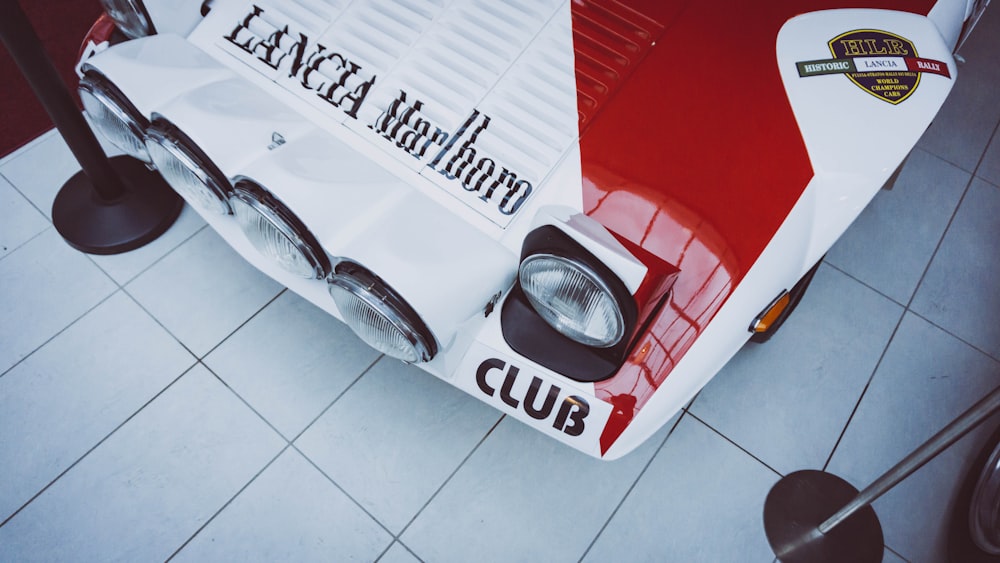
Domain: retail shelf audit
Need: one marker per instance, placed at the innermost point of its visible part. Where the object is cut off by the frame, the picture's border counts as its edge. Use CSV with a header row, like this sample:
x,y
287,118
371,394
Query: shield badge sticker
x,y
881,63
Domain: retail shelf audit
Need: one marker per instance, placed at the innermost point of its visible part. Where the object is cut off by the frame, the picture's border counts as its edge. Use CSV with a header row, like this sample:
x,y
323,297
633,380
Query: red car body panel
x,y
651,145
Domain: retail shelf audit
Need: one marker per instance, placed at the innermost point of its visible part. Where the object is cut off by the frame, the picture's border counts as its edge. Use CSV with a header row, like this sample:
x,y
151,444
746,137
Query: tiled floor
x,y
173,402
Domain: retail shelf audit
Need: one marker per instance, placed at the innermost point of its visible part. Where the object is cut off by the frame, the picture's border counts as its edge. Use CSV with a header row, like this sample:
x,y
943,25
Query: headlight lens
x,y
130,16
275,231
572,299
186,168
379,316
113,114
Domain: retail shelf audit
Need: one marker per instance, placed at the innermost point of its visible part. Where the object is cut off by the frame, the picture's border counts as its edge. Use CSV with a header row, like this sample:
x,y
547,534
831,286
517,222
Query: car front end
x,y
575,211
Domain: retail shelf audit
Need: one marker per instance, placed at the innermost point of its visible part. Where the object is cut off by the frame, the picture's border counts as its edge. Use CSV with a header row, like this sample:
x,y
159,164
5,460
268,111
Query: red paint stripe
x,y
927,65
689,150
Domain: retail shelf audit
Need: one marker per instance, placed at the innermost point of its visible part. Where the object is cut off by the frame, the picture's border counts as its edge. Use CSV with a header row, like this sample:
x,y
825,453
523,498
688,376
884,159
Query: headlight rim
x,y
595,278
128,28
264,202
107,93
174,140
362,283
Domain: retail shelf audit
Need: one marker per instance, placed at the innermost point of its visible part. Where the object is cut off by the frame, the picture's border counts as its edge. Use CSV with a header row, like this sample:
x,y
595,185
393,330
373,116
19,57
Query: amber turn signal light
x,y
767,317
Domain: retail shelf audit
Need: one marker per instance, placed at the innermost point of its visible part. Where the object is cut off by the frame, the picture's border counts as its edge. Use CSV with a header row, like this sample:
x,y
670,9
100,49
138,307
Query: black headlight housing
x,y
529,334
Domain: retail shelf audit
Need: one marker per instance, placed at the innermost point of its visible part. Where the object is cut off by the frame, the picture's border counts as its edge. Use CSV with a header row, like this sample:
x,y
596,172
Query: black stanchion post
x,y
801,516
111,205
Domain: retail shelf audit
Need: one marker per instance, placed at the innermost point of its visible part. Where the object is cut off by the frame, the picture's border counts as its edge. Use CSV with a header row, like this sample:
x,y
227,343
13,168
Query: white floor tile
x,y
989,168
525,497
40,171
700,500
398,554
890,557
787,401
19,220
203,291
290,362
54,410
27,146
902,227
46,286
963,127
958,292
123,267
147,489
926,380
291,512
394,438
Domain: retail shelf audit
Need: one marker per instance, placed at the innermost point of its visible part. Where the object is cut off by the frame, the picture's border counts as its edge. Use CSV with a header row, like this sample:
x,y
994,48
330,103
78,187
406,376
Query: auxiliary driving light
x,y
572,299
113,114
130,16
276,232
379,316
186,167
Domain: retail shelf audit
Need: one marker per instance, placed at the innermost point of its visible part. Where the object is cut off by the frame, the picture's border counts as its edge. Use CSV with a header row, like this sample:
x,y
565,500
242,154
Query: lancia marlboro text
x,y
333,76
453,155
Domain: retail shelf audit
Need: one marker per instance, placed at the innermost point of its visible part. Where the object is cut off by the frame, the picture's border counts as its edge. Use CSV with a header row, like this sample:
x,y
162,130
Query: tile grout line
x,y
450,477
150,266
404,546
104,300
915,314
896,553
316,466
210,519
98,444
349,497
26,147
909,303
10,251
628,492
245,322
337,398
289,445
224,338
741,448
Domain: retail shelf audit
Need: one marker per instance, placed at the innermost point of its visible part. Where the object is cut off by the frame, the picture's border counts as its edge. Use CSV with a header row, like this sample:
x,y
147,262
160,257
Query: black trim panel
x,y
529,335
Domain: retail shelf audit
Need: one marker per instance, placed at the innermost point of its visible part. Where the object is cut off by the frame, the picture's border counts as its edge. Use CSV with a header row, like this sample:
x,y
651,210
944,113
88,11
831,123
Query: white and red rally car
x,y
575,210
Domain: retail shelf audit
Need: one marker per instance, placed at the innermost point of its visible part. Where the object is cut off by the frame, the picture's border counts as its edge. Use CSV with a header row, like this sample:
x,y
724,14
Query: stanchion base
x,y
146,209
800,502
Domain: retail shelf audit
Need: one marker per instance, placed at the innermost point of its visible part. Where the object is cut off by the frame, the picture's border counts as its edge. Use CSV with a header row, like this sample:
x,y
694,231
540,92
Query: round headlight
x,y
130,16
572,299
186,167
379,316
276,232
113,114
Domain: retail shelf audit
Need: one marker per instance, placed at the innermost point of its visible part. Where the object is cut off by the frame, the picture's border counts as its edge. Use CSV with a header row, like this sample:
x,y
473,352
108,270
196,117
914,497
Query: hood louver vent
x,y
609,39
483,96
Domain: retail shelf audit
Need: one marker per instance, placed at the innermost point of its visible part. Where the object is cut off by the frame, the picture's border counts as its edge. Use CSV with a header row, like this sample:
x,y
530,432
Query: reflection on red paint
x,y
707,271
99,33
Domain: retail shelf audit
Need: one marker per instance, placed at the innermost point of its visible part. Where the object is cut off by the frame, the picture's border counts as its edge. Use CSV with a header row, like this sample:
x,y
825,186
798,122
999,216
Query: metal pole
x,y
927,451
26,49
